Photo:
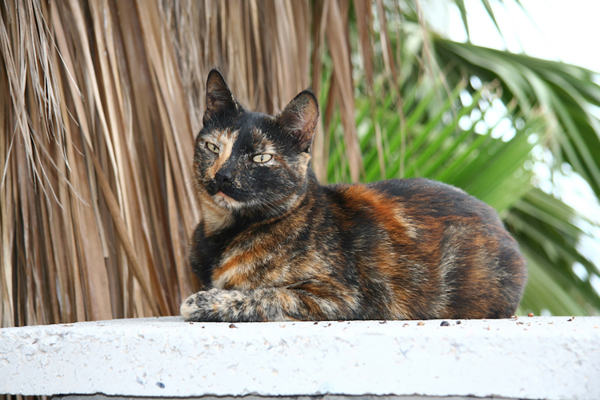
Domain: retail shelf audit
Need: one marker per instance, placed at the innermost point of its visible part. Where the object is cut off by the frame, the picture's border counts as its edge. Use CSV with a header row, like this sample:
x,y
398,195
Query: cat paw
x,y
199,308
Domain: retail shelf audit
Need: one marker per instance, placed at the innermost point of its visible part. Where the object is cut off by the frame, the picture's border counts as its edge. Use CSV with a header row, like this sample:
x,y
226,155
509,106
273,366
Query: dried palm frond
x,y
101,102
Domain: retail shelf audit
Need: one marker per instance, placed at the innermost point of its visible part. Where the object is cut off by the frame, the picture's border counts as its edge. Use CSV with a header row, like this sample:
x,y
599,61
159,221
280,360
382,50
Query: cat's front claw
x,y
199,307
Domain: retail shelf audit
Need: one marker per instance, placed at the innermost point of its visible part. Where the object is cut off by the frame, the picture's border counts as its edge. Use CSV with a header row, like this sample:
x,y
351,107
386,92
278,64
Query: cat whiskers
x,y
279,207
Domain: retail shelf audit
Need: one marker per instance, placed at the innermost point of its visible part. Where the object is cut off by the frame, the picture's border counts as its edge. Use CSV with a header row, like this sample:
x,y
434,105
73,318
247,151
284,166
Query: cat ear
x,y
300,117
219,98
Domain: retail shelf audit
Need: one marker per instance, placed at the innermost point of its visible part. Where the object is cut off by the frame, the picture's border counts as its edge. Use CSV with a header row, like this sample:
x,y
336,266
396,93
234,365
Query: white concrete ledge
x,y
555,357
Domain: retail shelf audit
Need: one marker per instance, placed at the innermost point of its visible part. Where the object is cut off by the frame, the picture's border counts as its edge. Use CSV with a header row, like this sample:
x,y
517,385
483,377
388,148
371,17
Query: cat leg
x,y
268,304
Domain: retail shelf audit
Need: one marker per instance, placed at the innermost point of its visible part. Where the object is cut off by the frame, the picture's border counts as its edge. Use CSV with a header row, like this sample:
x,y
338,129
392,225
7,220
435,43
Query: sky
x,y
555,29
566,31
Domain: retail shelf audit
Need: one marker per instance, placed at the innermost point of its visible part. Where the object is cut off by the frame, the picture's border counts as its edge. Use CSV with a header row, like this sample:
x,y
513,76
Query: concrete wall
x,y
555,357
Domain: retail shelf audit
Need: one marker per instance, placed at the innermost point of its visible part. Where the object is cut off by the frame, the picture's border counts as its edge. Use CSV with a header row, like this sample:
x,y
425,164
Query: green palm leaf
x,y
547,106
565,93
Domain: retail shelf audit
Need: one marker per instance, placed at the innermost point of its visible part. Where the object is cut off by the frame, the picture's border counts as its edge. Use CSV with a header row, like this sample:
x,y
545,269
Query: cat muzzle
x,y
222,182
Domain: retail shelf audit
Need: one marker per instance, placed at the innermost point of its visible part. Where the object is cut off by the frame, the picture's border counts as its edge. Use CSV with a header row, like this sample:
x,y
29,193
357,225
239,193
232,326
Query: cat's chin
x,y
225,201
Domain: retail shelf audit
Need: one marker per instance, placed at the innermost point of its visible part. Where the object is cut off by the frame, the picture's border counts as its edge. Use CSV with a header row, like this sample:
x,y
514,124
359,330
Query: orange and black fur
x,y
275,245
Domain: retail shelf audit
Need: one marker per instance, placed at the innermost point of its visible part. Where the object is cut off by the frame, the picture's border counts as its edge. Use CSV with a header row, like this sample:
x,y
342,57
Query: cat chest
x,y
267,260
247,267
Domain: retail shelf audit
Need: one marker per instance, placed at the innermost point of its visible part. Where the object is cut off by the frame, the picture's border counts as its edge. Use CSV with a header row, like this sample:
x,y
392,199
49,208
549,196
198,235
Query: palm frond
x,y
567,94
548,234
552,104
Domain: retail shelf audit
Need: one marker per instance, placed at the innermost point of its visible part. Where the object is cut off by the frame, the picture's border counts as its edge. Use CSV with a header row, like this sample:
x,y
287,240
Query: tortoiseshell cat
x,y
274,244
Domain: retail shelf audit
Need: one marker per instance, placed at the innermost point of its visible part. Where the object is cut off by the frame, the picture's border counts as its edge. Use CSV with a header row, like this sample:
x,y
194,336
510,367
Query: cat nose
x,y
222,177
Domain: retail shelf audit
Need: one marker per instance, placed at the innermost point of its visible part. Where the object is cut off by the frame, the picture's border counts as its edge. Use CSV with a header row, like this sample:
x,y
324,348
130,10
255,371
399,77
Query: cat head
x,y
252,163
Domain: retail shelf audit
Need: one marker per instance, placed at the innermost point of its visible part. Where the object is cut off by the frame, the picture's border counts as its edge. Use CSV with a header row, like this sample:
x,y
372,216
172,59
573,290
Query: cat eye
x,y
212,147
262,158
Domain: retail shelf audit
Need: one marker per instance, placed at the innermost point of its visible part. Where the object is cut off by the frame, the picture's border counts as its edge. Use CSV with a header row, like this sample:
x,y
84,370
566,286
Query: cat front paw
x,y
199,307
